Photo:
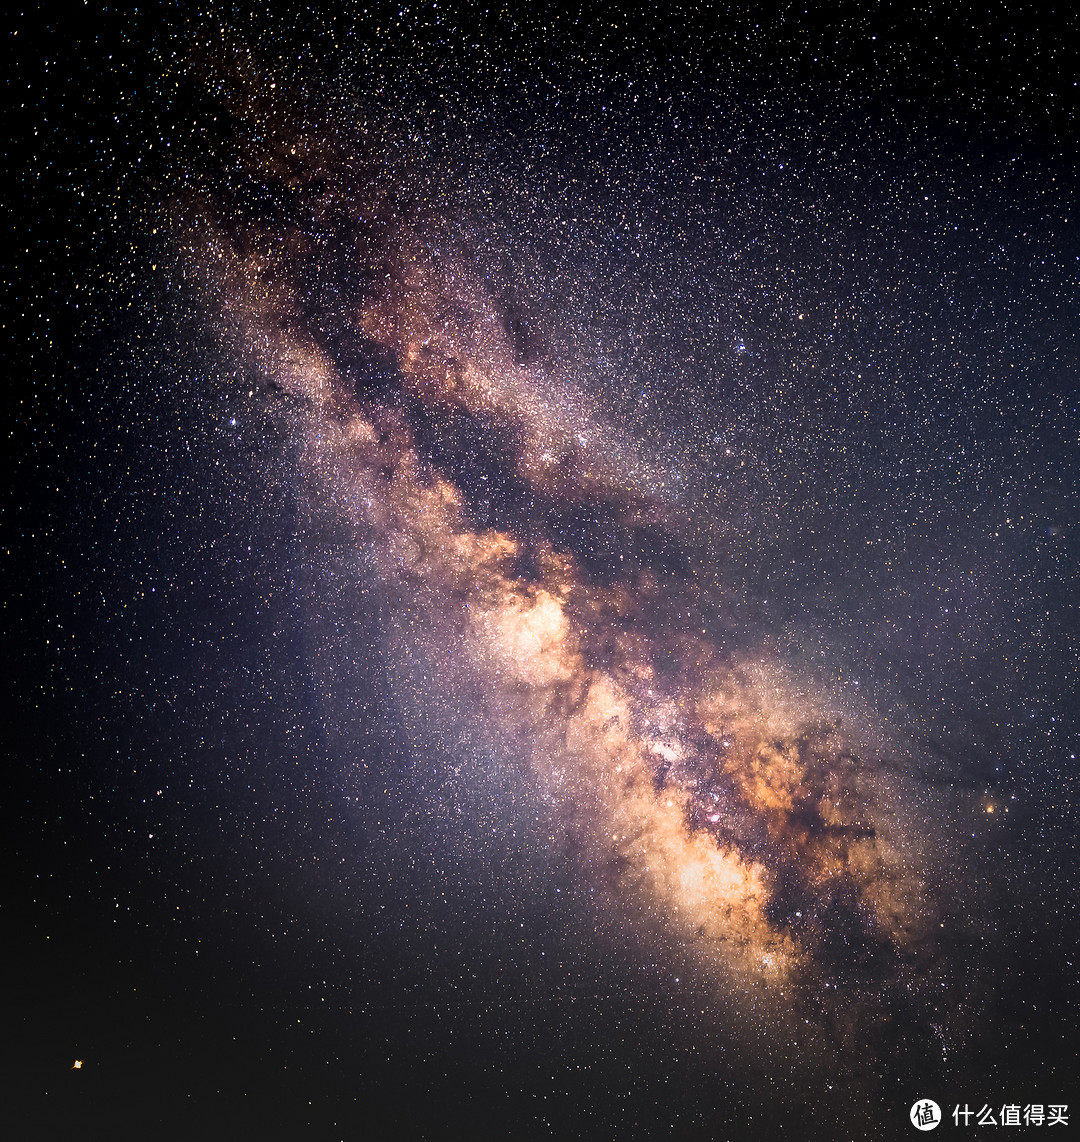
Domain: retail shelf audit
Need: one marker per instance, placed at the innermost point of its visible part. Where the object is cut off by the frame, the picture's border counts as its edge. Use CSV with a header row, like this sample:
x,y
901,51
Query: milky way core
x,y
705,787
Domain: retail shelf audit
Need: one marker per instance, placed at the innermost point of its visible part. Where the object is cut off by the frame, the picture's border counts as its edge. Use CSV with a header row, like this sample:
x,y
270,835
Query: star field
x,y
542,570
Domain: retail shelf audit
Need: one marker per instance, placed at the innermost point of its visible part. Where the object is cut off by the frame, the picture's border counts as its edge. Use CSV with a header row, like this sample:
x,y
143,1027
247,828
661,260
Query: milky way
x,y
706,787
570,560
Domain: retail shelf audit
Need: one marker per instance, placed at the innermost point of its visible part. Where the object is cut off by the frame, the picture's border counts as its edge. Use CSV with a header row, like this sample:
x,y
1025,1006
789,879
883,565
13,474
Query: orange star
x,y
78,1065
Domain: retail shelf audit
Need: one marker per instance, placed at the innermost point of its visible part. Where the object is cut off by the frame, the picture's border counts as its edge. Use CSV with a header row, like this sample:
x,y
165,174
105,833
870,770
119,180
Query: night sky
x,y
541,571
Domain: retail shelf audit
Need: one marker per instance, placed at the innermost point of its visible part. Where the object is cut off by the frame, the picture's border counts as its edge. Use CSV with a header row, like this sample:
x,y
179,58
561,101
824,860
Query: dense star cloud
x,y
562,616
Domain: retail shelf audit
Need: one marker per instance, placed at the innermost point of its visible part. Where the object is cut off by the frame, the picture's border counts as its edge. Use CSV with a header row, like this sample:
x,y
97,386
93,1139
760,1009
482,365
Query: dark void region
x,y
480,459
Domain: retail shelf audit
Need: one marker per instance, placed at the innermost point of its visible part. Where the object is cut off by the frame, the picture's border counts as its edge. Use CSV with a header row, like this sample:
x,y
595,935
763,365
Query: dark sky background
x,y
270,875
